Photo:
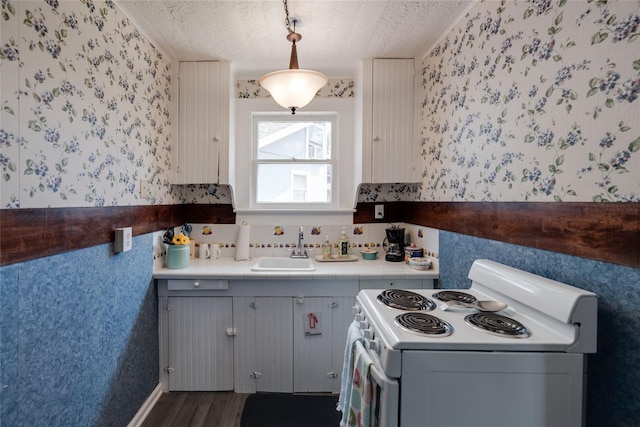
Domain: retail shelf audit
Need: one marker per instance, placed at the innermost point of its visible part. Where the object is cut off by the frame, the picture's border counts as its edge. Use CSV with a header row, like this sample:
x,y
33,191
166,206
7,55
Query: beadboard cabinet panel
x,y
264,344
390,144
202,143
312,328
200,350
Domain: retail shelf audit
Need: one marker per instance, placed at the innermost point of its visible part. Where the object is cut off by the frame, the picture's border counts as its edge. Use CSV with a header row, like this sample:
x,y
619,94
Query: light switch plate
x,y
124,240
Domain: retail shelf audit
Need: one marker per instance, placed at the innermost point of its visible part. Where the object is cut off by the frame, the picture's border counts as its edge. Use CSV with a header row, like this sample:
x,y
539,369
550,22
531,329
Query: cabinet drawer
x,y
195,284
391,284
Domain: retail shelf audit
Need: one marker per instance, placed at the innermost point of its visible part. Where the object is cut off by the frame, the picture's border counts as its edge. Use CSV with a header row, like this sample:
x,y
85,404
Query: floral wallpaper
x,y
368,193
525,100
335,88
85,107
534,100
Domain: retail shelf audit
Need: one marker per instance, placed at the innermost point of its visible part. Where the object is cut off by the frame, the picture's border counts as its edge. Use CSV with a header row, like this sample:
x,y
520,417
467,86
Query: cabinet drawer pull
x,y
332,375
196,284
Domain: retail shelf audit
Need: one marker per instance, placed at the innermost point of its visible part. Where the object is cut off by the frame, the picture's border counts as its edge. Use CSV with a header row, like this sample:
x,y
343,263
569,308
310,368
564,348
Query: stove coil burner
x,y
497,324
455,296
405,300
424,324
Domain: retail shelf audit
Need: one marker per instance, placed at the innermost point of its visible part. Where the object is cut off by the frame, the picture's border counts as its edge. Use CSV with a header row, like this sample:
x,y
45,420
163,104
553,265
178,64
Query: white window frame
x,y
331,117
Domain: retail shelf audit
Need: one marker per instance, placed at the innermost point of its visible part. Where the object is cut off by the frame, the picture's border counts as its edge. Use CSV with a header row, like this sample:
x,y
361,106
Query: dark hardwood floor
x,y
195,409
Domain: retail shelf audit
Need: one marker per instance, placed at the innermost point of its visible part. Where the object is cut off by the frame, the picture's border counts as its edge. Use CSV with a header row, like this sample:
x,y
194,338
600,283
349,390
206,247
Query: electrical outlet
x,y
124,240
144,189
379,212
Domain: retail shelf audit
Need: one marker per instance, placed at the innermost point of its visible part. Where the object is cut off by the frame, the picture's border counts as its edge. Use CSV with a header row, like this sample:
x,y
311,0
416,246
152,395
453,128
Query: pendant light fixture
x,y
293,88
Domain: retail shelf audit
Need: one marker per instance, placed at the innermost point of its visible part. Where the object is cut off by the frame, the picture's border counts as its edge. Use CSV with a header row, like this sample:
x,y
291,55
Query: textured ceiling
x,y
252,34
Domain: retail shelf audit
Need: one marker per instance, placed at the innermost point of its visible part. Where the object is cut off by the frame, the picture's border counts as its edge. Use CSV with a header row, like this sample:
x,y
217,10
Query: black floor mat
x,y
290,410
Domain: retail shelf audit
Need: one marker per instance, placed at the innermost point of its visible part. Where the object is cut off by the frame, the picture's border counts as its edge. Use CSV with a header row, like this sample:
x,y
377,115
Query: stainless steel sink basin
x,y
284,264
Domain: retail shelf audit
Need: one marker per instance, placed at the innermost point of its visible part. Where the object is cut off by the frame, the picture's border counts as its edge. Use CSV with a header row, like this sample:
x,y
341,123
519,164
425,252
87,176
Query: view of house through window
x,y
293,159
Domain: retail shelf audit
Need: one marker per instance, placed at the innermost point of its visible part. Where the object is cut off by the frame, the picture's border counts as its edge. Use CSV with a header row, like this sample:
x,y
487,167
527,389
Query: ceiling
x,y
252,34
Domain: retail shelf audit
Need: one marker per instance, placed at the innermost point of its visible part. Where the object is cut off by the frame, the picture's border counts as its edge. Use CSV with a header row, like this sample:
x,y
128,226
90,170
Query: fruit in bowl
x,y
420,263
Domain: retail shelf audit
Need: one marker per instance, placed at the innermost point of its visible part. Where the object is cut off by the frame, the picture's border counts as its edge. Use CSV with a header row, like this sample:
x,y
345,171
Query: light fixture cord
x,y
286,20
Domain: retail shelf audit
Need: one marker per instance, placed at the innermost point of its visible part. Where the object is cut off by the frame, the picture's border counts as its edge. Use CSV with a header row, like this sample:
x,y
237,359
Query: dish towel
x,y
361,390
354,334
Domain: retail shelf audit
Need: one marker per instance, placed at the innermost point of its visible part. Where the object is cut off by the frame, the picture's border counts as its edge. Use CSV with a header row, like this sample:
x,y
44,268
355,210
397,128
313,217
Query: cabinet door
x,y
342,318
313,339
200,350
319,350
264,344
201,155
391,149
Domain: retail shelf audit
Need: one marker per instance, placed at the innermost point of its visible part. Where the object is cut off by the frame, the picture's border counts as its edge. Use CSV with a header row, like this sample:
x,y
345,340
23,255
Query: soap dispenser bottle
x,y
326,248
343,244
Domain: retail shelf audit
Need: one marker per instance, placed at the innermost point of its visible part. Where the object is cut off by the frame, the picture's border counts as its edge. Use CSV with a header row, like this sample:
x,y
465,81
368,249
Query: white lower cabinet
x,y
200,348
263,344
216,336
396,284
320,332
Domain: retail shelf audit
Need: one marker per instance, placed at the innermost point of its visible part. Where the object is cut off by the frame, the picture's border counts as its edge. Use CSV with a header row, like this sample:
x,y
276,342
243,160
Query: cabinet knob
x,y
376,138
255,375
215,139
332,375
196,284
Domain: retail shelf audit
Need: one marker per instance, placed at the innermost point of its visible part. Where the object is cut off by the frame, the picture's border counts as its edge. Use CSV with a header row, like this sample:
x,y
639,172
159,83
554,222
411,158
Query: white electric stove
x,y
438,363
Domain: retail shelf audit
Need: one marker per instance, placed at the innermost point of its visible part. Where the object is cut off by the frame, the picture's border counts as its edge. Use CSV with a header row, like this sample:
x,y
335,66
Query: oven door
x,y
386,398
491,389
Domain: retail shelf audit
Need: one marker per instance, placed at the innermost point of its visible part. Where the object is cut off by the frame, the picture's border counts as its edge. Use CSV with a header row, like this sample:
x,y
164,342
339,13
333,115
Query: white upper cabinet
x,y
201,151
390,145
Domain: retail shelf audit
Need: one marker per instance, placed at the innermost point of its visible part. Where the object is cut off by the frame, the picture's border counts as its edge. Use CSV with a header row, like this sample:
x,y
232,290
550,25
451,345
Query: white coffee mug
x,y
215,251
204,251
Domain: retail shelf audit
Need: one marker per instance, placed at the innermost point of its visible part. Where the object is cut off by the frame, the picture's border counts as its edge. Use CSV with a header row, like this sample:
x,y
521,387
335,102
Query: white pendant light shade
x,y
293,88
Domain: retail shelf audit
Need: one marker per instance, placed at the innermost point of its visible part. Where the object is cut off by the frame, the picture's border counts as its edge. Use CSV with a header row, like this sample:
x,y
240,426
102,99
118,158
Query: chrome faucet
x,y
300,252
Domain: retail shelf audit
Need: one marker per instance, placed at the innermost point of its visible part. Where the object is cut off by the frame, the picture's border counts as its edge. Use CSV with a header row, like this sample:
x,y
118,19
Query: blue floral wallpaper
x,y
335,88
534,100
85,107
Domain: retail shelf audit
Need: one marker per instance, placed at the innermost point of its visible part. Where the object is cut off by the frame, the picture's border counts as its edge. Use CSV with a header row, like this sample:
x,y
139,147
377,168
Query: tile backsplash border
x,y
264,241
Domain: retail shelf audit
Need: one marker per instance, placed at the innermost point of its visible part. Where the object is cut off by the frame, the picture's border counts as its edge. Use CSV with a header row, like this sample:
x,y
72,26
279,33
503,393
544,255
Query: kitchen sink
x,y
283,264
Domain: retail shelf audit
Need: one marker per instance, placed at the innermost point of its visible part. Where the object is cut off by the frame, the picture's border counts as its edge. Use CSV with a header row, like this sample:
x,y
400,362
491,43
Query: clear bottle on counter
x,y
326,248
343,244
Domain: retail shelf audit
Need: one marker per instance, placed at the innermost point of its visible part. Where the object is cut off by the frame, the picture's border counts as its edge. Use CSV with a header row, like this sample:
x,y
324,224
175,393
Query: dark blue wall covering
x,y
613,382
79,343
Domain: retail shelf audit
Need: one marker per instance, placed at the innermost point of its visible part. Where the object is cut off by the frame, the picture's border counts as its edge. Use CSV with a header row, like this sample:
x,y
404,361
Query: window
x,y
294,160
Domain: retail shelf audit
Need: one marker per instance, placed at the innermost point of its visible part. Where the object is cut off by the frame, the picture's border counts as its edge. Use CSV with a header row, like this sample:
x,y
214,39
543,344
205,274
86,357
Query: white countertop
x,y
228,268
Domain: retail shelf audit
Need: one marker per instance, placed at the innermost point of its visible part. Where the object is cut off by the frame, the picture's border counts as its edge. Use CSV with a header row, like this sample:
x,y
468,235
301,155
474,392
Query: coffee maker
x,y
393,244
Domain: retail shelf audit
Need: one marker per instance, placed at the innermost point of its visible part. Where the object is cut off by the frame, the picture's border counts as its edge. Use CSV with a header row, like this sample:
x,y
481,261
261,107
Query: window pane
x,y
294,140
294,183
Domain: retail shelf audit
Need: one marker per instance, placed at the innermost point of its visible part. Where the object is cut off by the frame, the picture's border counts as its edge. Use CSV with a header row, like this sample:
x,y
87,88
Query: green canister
x,y
178,256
